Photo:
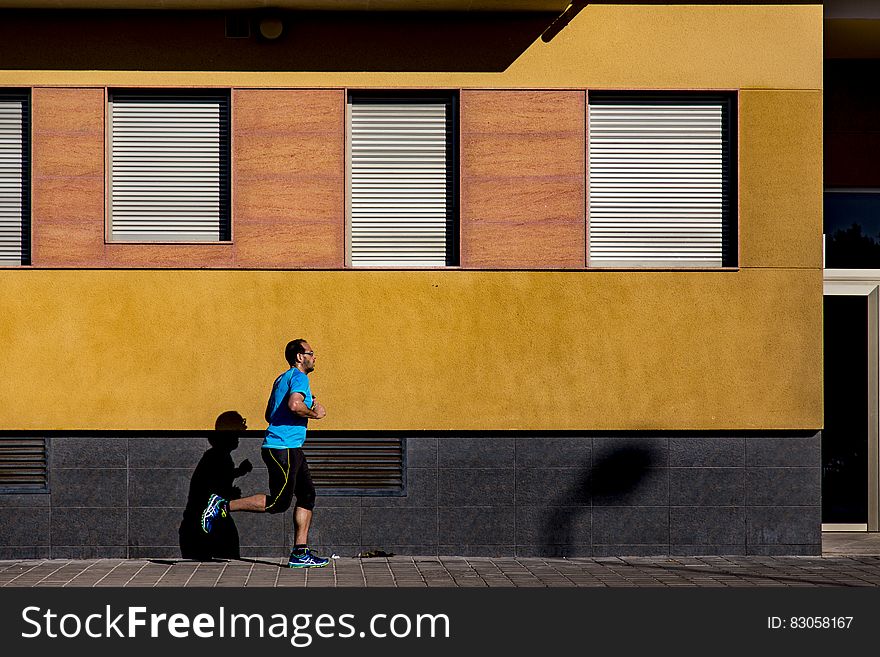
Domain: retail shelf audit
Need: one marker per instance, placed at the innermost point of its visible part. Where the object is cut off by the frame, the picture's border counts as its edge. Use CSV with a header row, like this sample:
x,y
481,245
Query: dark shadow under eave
x,y
311,41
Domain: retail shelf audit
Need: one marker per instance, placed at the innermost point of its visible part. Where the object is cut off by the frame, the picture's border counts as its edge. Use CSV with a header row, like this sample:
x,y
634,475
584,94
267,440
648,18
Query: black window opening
x,y
357,465
24,465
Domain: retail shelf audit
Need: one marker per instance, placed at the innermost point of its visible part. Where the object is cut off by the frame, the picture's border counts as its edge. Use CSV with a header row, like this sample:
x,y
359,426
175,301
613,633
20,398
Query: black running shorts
x,y
288,476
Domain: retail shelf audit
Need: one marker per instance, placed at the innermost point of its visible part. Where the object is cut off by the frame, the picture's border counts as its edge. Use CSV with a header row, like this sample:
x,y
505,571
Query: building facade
x,y
562,268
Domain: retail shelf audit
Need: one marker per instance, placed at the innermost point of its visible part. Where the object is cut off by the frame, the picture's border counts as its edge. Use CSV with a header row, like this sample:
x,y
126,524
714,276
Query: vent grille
x,y
356,465
23,464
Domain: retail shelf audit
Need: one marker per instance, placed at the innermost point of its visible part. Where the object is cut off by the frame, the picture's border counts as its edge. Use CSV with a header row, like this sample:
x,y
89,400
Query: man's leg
x,y
254,504
278,499
301,556
302,518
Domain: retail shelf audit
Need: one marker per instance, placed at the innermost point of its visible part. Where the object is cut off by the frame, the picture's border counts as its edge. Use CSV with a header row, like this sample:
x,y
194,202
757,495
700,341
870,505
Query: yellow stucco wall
x,y
415,350
462,350
780,178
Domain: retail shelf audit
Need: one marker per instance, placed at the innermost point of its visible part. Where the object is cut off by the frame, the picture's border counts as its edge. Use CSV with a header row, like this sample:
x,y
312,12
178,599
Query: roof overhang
x,y
299,5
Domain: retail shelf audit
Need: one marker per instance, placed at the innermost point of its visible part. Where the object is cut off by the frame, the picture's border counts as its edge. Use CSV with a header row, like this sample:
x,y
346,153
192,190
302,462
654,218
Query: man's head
x,y
300,355
228,427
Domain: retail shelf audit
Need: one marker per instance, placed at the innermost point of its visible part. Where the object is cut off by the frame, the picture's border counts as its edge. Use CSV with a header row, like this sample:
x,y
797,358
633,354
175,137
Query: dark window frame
x,y
25,94
225,173
729,101
453,152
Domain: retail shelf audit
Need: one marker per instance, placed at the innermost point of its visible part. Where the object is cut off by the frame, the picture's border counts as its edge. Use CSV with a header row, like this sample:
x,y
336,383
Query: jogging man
x,y
291,406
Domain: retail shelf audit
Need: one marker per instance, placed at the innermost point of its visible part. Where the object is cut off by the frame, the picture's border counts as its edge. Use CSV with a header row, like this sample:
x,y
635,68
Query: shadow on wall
x,y
214,474
613,479
310,41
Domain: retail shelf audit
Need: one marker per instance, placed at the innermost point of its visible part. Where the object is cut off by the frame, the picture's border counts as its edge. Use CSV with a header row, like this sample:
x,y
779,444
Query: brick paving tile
x,y
154,575
150,579
22,584
81,582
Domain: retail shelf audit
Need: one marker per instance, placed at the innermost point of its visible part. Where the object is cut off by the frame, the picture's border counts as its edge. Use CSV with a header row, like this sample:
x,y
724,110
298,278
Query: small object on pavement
x,y
367,554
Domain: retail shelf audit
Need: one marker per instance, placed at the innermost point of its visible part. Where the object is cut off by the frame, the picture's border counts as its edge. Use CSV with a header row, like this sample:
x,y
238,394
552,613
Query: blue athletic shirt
x,y
286,429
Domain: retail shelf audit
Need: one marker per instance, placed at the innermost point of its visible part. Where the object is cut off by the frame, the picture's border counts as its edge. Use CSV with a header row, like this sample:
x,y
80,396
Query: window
x,y
661,180
852,228
15,178
402,183
169,166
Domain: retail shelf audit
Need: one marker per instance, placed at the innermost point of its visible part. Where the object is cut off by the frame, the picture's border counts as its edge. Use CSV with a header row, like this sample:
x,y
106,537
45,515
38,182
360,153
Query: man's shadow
x,y
215,474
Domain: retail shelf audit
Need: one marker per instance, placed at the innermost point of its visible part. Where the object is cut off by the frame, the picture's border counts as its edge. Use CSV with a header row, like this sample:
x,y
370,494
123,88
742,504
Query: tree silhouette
x,y
850,248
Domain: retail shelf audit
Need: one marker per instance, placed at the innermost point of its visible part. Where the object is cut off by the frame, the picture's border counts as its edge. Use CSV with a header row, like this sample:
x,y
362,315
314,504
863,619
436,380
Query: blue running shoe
x,y
306,559
217,508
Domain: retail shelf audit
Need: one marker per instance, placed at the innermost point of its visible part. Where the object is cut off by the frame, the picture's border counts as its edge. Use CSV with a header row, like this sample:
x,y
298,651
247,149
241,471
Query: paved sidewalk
x,y
846,571
849,559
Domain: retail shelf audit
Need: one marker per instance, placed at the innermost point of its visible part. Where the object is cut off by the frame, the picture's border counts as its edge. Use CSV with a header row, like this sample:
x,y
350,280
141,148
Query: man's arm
x,y
297,405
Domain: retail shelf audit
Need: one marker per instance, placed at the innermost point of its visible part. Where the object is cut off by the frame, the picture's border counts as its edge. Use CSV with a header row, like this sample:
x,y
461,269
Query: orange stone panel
x,y
523,179
288,171
302,242
523,223
282,111
184,256
68,177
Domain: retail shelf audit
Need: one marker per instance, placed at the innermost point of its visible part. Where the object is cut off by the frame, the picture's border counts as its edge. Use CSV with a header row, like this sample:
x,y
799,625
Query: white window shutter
x,y
169,169
656,184
14,179
399,183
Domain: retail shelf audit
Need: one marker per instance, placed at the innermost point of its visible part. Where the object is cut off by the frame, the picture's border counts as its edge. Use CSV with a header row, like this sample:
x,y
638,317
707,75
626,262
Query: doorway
x,y
849,439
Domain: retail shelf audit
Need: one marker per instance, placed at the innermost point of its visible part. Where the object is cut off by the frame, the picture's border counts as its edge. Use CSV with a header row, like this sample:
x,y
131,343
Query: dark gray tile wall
x,y
474,496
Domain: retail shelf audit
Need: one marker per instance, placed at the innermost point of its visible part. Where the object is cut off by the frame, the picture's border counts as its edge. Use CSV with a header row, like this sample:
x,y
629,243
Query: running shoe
x,y
306,559
217,508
